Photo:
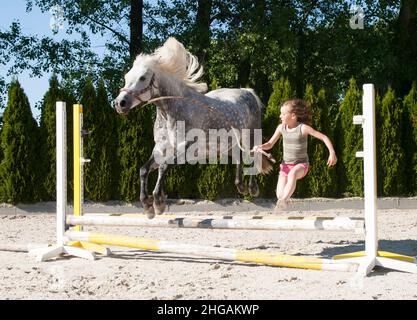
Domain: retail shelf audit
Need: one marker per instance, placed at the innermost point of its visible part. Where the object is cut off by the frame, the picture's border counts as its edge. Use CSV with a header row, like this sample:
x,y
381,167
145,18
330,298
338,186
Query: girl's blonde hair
x,y
301,108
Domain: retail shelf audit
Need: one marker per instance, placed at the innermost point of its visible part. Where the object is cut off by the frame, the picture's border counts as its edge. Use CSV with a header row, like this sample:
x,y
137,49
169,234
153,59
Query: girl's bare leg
x,y
282,181
296,173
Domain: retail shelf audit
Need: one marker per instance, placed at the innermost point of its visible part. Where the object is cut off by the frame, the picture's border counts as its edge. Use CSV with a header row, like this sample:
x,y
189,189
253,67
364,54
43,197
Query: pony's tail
x,y
266,165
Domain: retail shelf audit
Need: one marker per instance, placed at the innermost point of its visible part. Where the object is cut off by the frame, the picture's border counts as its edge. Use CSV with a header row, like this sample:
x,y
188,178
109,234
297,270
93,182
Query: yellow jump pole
x,y
78,181
249,256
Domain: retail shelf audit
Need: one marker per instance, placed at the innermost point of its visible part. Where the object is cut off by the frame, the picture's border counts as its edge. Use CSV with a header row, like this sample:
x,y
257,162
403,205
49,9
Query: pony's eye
x,y
143,78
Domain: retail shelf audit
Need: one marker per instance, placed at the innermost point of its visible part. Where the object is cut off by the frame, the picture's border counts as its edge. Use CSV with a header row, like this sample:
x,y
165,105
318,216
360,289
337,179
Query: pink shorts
x,y
286,168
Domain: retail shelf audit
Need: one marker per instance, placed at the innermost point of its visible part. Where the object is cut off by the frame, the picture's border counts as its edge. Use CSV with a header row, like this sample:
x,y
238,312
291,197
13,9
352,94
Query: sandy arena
x,y
136,274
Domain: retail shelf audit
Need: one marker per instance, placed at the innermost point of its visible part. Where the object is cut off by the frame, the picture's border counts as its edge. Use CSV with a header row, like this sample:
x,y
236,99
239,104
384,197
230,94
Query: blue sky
x,y
37,23
34,22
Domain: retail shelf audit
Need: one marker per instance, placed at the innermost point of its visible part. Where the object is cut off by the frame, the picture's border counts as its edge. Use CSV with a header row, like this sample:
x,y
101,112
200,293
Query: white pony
x,y
169,78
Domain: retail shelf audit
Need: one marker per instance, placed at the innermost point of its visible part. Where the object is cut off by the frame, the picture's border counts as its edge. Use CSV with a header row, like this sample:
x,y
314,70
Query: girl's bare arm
x,y
305,129
268,145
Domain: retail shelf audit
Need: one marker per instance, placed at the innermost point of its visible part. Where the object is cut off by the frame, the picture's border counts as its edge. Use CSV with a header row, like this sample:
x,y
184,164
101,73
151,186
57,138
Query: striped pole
x,y
227,222
249,256
78,151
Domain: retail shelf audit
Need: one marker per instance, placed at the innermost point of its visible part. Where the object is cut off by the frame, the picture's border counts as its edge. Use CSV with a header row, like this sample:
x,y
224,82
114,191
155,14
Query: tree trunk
x,y
300,60
405,44
407,15
257,26
136,28
202,26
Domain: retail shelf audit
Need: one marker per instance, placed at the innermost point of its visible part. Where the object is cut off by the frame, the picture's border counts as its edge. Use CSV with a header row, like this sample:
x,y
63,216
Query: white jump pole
x,y
61,171
370,179
60,248
216,222
372,256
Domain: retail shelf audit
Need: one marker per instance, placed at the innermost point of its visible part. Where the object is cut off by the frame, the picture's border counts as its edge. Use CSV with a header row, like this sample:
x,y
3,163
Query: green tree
x,y
349,140
410,138
135,148
320,180
91,123
119,23
391,155
181,181
216,181
100,145
403,47
48,140
105,138
282,91
19,141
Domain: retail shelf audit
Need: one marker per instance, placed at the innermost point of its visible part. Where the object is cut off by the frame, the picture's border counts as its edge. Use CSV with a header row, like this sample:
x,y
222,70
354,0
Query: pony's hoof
x,y
150,213
254,190
159,208
242,188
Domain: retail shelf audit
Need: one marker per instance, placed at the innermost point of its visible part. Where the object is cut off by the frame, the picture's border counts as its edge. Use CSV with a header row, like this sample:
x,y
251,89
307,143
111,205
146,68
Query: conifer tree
x,y
410,139
216,181
327,180
182,181
90,147
104,168
135,147
214,84
19,169
282,91
392,157
349,140
100,145
320,179
48,140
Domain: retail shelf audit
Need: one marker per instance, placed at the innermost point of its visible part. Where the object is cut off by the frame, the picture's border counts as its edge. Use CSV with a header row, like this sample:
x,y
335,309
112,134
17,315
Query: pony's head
x,y
141,82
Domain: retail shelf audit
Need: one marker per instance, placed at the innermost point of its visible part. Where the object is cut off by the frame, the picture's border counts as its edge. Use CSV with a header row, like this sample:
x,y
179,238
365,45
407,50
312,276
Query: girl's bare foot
x,y
280,206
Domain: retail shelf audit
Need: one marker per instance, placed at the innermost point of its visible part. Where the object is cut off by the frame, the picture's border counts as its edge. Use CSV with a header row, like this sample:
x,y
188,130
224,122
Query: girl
x,y
294,128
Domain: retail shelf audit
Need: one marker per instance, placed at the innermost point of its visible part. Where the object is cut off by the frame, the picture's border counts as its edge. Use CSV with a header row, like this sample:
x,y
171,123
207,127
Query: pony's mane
x,y
173,58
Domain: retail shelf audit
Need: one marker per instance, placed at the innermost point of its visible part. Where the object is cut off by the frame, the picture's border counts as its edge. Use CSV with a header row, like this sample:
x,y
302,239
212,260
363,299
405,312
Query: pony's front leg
x,y
159,196
242,188
253,186
146,201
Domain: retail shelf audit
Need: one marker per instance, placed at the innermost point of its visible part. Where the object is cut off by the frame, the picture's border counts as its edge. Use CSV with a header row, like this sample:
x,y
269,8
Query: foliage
x,y
320,180
349,140
48,140
391,155
100,145
282,91
276,47
20,165
134,149
216,181
410,138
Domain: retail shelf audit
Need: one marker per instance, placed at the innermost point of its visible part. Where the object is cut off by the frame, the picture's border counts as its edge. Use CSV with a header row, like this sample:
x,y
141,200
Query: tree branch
x,y
118,34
